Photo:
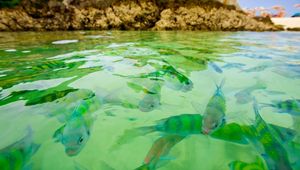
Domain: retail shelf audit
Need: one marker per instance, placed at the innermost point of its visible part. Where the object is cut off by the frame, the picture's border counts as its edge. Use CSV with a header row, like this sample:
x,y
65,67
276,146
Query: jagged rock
x,y
129,15
293,29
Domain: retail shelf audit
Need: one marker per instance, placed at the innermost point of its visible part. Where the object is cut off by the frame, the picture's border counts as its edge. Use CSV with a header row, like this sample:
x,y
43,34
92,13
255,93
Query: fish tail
x,y
29,132
130,134
262,105
216,67
255,107
132,76
165,61
120,75
144,167
260,85
220,86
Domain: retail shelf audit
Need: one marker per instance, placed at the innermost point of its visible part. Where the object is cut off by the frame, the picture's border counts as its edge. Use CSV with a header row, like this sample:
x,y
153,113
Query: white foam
x,y
116,45
64,41
11,50
98,36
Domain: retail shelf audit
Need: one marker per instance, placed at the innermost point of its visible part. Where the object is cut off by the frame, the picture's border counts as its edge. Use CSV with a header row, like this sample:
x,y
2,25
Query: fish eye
x,y
80,140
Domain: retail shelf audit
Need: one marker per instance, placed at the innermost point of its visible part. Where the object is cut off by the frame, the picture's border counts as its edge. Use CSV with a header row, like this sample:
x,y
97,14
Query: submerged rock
x,y
129,15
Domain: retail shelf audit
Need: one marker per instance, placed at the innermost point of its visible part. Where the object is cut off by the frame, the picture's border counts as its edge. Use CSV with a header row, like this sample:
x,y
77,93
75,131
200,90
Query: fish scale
x,y
183,124
17,155
240,165
273,149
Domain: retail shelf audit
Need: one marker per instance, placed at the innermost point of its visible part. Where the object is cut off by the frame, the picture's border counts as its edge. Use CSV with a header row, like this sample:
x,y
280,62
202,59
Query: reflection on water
x,y
149,100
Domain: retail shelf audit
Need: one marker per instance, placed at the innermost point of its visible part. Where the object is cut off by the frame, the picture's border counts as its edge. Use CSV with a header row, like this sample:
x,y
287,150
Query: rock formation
x,y
41,15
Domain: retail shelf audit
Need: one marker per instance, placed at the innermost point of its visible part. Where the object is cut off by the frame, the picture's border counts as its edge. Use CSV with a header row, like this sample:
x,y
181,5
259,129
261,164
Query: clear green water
x,y
95,86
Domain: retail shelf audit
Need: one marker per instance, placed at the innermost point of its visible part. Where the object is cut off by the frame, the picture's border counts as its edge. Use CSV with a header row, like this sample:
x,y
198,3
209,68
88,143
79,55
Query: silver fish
x,y
214,114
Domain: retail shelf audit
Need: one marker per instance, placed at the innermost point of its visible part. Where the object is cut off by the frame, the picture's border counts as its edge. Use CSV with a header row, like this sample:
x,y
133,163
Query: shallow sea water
x,y
101,100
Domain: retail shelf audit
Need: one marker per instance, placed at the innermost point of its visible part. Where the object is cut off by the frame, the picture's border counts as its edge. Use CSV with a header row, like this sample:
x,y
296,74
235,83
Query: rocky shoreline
x,y
50,15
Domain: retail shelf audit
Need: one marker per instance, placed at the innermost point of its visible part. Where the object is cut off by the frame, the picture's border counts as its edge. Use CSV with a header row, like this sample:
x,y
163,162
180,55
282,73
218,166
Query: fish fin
x,y
109,113
260,84
161,163
198,107
166,62
35,147
120,75
27,167
57,136
273,92
78,166
220,86
262,105
90,96
23,142
215,67
105,166
256,109
270,162
144,167
130,134
158,154
167,158
260,162
231,132
285,135
223,121
129,105
136,87
112,97
109,68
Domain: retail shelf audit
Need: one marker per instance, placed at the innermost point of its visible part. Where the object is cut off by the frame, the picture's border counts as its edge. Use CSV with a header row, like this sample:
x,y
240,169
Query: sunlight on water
x,y
150,100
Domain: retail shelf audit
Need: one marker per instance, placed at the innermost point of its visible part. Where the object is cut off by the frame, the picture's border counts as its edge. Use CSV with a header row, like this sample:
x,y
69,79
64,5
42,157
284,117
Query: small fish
x,y
76,132
240,165
182,125
286,73
49,65
288,70
159,151
174,79
233,65
256,68
273,151
151,99
245,96
215,67
214,114
184,82
290,106
255,56
272,92
48,97
17,155
185,124
293,67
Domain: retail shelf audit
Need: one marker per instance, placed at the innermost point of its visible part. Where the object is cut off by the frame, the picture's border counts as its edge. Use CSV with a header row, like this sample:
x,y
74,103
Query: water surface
x,y
83,100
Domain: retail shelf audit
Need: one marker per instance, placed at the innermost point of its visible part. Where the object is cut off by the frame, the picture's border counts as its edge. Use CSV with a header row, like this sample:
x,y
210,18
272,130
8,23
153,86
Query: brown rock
x,y
129,15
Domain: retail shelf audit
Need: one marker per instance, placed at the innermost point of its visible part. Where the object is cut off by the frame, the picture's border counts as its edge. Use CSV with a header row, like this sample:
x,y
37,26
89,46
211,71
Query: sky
x,y
288,4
